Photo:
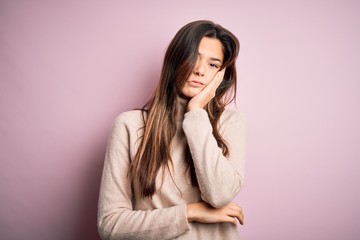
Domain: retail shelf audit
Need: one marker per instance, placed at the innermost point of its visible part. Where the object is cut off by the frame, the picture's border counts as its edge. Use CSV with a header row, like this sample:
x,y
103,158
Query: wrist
x,y
190,212
193,107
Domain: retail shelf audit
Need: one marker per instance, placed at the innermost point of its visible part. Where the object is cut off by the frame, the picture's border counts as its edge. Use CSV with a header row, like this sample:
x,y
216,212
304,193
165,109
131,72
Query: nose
x,y
199,69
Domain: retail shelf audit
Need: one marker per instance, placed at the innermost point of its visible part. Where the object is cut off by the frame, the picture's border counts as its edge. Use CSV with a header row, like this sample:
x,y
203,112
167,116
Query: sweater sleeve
x,y
219,178
116,217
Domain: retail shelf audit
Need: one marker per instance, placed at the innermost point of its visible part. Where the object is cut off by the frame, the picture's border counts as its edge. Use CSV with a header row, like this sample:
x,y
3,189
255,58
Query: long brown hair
x,y
161,111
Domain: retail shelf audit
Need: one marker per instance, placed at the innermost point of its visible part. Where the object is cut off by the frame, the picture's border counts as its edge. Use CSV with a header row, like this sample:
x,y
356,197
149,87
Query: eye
x,y
213,65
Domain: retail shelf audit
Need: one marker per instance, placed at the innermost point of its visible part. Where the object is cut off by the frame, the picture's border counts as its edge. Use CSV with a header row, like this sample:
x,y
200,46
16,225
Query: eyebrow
x,y
213,59
216,59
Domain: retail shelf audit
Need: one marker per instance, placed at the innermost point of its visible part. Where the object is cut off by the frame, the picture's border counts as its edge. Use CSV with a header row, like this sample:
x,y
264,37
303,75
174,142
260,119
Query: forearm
x,y
124,223
204,213
218,181
219,178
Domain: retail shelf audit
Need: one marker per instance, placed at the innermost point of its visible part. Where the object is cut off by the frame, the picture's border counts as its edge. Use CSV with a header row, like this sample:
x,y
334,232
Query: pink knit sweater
x,y
123,214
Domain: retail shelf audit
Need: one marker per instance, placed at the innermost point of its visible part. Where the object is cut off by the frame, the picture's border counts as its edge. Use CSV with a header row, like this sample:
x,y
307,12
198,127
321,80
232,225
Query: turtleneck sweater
x,y
124,214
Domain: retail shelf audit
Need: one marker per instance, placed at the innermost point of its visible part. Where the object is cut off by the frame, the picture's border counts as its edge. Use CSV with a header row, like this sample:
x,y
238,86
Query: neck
x,y
182,107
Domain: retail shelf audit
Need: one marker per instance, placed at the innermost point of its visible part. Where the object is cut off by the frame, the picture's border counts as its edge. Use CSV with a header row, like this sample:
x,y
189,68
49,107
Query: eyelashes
x,y
213,65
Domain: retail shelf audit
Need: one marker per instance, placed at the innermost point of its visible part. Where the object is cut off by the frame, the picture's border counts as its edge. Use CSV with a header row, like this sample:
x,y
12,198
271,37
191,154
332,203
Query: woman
x,y
173,168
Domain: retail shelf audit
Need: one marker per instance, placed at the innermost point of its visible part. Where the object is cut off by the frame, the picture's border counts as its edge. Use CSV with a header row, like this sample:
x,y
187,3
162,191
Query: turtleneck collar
x,y
182,107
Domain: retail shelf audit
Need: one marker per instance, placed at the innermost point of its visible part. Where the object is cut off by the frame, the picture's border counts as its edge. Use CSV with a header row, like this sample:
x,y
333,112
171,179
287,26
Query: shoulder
x,y
230,115
233,120
130,119
233,125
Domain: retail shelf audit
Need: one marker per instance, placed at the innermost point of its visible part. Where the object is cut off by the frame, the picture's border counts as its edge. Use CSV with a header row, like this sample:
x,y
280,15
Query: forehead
x,y
211,48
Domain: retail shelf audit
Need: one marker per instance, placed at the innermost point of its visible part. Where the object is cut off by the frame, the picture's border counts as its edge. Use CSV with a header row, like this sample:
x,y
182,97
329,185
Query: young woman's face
x,y
209,61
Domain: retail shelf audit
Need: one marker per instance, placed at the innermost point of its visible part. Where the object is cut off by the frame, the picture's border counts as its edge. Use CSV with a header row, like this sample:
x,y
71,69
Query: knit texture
x,y
123,214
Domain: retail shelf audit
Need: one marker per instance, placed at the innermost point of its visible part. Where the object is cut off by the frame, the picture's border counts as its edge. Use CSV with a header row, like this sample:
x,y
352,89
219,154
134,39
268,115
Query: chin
x,y
190,93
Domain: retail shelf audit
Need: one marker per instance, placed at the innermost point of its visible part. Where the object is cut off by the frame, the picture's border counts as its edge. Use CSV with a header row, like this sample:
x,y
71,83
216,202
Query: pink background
x,y
68,68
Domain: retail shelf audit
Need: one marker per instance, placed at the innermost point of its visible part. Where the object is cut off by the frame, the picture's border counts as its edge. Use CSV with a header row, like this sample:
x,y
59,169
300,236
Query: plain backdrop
x,y
68,68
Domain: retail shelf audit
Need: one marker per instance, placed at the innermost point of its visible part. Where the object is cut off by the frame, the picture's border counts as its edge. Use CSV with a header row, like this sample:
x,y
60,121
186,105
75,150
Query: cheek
x,y
211,76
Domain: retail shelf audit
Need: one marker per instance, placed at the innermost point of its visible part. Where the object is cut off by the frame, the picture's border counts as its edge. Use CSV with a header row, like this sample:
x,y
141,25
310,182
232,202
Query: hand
x,y
203,212
207,93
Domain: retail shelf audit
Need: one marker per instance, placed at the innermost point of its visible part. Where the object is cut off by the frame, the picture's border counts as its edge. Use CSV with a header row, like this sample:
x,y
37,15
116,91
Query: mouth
x,y
194,83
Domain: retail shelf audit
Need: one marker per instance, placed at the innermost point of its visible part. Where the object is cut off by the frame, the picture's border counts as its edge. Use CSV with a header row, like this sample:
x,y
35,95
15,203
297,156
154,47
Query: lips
x,y
194,83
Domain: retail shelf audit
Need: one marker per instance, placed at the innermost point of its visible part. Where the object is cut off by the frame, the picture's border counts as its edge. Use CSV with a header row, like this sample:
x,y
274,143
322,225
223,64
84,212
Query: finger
x,y
237,213
234,207
219,76
240,217
215,83
229,220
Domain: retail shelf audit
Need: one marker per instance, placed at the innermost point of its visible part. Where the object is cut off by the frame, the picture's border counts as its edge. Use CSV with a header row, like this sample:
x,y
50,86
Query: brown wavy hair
x,y
160,113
